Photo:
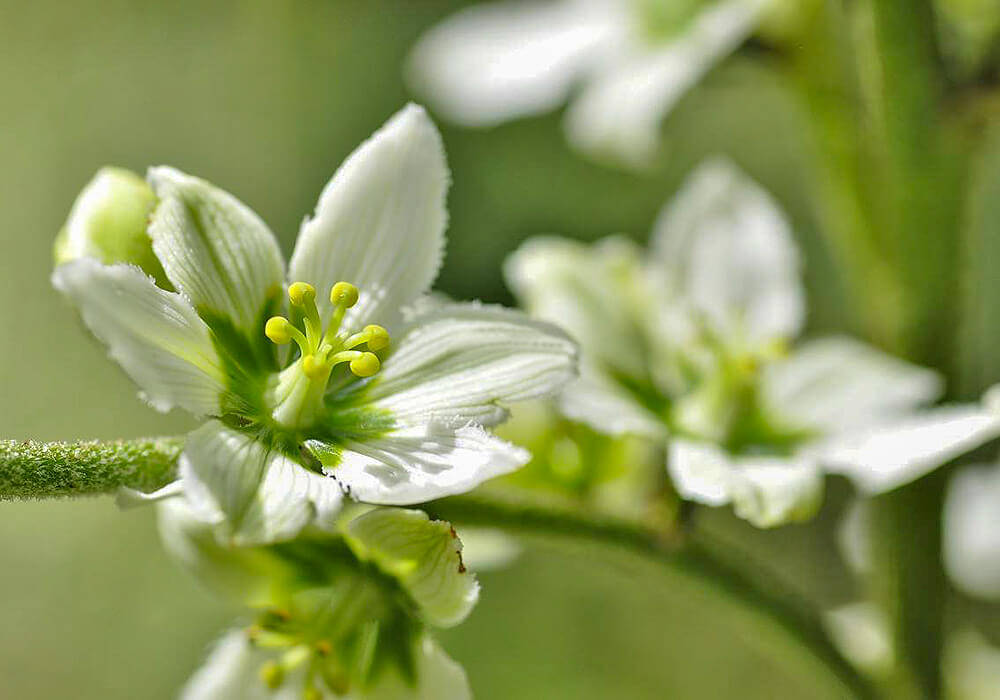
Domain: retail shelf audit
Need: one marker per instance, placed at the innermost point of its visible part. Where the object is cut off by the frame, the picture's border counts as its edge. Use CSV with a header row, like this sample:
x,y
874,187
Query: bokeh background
x,y
265,99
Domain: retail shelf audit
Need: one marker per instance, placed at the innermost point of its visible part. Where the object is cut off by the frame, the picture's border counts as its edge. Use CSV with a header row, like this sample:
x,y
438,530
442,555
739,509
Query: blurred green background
x,y
265,99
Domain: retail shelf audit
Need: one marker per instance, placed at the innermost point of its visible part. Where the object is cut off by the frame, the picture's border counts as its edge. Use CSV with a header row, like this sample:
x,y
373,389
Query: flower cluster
x,y
328,381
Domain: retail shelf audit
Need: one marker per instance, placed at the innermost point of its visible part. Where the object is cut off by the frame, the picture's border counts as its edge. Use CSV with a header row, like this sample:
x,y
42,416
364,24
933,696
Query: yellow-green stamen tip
x,y
366,365
301,293
378,337
313,367
278,330
344,294
272,674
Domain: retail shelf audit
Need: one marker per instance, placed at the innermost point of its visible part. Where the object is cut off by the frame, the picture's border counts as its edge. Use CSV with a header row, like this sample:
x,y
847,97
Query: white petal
x,y
586,290
765,491
839,383
496,61
861,632
972,531
423,555
727,252
155,335
439,677
215,250
421,463
127,497
854,536
597,401
486,549
380,222
259,495
884,457
619,113
459,364
971,667
231,673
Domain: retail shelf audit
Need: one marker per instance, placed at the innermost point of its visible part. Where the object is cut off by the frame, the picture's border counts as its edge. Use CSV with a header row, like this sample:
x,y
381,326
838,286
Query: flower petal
x,y
883,457
424,555
618,114
972,530
380,222
421,463
727,251
215,250
439,677
839,383
258,495
497,61
155,335
586,290
231,673
597,401
455,365
861,632
765,491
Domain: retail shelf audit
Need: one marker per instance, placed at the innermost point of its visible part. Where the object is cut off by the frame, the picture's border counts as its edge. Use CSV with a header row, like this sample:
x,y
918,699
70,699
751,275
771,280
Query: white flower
x,y
343,615
502,60
392,413
689,343
971,542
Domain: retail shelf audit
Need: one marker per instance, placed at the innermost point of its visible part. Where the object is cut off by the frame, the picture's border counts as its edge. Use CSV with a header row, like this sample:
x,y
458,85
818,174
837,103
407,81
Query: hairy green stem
x,y
30,470
779,622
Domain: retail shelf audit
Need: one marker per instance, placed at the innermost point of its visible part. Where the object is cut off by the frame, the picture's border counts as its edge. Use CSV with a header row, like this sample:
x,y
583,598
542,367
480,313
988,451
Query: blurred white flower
x,y
690,342
501,60
972,530
289,432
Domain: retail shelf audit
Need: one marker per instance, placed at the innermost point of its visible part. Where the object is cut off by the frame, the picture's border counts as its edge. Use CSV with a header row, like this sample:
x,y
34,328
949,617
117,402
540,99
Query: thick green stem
x,y
776,619
30,470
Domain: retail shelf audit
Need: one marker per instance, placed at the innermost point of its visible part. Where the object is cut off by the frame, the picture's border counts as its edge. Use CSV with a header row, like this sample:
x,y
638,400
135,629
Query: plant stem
x,y
779,620
30,470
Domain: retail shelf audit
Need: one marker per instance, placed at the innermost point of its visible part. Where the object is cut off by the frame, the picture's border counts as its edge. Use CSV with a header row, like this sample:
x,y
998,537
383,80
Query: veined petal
x,y
155,335
586,290
497,61
424,555
839,383
596,400
421,463
885,456
215,250
765,491
619,113
727,252
258,495
380,222
972,530
457,364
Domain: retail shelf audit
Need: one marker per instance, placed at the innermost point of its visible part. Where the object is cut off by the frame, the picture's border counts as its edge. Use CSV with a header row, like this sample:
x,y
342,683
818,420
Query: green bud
x,y
108,222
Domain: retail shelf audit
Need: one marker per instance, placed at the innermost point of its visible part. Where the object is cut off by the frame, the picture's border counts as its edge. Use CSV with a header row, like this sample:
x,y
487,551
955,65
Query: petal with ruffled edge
x,y
231,673
215,250
597,401
419,463
155,335
838,383
424,555
380,222
765,491
727,252
259,495
971,540
459,363
618,114
885,456
497,61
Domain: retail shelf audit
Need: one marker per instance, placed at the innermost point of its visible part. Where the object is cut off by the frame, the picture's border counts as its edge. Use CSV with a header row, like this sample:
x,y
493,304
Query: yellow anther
x,y
314,368
278,330
301,293
378,337
272,674
366,365
344,294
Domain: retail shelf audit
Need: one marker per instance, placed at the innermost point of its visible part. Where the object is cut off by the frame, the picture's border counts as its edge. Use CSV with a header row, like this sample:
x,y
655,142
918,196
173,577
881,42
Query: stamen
x,y
281,331
272,674
362,364
303,296
376,337
344,293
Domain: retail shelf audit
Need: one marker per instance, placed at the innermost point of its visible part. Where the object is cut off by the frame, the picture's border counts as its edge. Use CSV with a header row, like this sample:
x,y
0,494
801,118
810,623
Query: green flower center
x,y
300,388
